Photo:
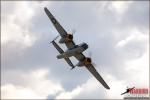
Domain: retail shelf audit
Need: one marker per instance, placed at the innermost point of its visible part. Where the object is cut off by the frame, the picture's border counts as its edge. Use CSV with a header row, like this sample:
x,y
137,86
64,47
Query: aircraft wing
x,y
91,68
80,57
97,75
59,28
70,44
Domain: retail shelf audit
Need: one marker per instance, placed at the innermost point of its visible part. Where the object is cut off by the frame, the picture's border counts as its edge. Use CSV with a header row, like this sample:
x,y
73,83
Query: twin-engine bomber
x,y
73,50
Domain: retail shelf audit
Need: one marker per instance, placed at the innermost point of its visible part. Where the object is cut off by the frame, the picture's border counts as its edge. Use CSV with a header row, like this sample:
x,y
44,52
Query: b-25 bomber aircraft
x,y
73,50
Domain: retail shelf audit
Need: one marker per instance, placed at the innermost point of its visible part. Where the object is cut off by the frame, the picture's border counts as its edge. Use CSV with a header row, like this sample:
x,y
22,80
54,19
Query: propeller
x,y
73,31
90,55
54,38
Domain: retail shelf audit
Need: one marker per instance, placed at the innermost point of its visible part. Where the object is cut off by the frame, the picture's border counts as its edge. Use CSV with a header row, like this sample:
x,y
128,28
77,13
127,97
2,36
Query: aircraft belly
x,y
70,53
66,55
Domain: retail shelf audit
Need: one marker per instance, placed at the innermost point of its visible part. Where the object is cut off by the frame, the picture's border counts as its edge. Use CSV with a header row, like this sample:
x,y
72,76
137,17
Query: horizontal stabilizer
x,y
57,47
69,62
61,51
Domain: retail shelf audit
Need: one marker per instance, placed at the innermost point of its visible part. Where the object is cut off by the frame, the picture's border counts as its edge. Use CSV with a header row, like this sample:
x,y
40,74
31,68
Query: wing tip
x,y
45,8
107,87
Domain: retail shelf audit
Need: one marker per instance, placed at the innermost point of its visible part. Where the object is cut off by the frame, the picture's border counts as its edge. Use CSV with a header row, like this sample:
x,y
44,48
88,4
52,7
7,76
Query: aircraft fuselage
x,y
73,51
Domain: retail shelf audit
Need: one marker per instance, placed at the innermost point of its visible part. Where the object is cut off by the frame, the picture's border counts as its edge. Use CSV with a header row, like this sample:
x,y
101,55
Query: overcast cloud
x,y
117,33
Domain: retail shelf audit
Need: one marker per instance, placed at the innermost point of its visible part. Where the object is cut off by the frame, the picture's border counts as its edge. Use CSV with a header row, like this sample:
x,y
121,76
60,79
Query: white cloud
x,y
36,85
138,70
134,35
83,91
69,95
10,91
120,6
116,87
86,90
15,26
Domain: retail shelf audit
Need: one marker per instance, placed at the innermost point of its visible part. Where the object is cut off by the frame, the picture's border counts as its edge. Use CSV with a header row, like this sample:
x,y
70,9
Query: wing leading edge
x,y
93,71
63,33
58,27
97,75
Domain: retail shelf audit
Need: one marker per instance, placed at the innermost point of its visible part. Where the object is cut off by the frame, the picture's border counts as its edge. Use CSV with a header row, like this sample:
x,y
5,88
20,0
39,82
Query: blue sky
x,y
117,33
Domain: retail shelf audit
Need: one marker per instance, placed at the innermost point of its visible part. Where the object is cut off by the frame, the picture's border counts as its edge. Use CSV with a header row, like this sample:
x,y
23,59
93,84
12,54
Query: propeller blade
x,y
90,54
73,31
94,65
54,38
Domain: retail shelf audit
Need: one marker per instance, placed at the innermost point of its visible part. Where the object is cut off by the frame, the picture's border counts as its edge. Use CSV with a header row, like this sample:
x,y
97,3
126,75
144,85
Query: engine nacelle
x,y
86,61
68,38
